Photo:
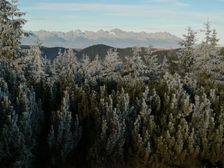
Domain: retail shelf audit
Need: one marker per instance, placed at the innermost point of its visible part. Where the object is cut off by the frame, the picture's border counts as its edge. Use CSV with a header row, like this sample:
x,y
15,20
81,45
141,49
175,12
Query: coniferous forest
x,y
133,112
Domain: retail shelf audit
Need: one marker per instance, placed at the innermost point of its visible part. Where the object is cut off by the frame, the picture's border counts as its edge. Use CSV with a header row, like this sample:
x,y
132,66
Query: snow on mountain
x,y
114,37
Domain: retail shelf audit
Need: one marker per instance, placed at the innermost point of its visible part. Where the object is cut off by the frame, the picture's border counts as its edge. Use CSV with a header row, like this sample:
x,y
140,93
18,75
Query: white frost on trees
x,y
65,132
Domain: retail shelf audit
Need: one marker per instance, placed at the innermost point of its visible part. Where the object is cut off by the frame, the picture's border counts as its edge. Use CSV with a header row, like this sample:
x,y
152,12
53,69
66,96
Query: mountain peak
x,y
77,31
117,30
115,37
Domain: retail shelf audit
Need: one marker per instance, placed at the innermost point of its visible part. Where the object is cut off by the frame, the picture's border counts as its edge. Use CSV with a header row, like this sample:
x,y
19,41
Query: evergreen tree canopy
x,y
11,22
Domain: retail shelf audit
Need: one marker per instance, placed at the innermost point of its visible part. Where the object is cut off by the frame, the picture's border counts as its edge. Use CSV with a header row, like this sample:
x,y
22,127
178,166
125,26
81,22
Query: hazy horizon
x,y
150,16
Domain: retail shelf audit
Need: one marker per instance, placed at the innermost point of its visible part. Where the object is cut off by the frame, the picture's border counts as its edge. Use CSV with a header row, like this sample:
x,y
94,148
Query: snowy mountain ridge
x,y
114,37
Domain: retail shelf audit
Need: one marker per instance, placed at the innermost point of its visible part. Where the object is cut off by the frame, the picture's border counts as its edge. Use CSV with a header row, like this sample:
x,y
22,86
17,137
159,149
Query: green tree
x,y
214,40
187,57
10,28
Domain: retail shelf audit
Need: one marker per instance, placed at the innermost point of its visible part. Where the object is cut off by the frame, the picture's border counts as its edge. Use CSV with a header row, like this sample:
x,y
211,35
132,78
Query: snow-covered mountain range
x,y
115,38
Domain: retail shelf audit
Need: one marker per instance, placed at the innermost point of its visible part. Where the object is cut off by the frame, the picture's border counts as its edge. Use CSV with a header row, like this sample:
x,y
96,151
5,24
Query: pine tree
x,y
207,33
189,39
187,57
111,65
20,126
109,144
33,65
214,39
65,67
95,68
153,68
65,133
10,29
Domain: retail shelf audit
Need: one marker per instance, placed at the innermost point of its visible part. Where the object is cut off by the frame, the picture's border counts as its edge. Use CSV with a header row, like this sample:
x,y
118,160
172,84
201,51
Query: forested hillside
x,y
110,112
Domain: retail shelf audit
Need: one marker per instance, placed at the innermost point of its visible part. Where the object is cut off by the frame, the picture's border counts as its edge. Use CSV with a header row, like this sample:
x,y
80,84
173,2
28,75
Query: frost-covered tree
x,y
90,70
144,128
109,145
20,125
187,56
33,65
143,65
65,132
12,147
189,39
210,39
112,112
64,67
207,30
153,68
136,63
214,40
10,28
95,68
111,65
203,61
30,119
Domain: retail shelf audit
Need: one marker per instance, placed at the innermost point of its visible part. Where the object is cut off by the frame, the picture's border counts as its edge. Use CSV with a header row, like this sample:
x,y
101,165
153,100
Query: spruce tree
x,y
214,40
187,57
10,29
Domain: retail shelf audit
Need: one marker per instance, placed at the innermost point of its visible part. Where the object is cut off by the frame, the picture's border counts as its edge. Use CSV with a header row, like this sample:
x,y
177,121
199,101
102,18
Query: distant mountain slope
x,y
116,38
91,51
101,51
49,52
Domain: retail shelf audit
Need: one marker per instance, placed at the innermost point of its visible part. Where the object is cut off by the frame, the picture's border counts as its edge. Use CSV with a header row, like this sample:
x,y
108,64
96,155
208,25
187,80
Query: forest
x,y
132,112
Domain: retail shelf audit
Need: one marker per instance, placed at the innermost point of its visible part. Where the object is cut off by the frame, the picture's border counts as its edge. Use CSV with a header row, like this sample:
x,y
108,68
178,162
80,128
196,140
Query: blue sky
x,y
173,16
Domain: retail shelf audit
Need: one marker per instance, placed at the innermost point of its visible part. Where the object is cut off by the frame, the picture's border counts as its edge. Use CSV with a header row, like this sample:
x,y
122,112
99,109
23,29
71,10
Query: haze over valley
x,y
115,38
